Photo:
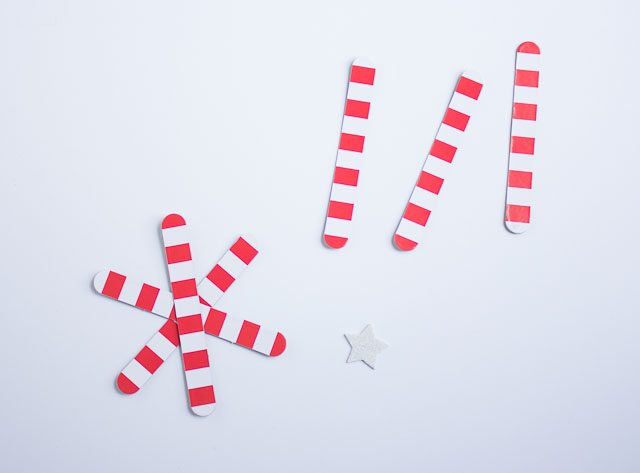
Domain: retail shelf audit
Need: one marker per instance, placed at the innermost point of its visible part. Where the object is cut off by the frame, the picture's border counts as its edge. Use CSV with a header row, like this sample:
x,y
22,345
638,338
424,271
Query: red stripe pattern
x,y
350,153
188,314
244,333
438,163
523,141
150,358
165,341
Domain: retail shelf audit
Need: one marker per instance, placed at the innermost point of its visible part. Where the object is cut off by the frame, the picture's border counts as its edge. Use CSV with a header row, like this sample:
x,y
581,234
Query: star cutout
x,y
365,347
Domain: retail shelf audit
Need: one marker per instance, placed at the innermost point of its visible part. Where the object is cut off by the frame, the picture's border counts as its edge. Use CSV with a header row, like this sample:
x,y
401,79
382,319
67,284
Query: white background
x,y
508,353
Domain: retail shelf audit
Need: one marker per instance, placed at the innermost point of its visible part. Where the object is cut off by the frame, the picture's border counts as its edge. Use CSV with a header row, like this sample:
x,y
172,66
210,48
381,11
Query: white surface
x,y
509,353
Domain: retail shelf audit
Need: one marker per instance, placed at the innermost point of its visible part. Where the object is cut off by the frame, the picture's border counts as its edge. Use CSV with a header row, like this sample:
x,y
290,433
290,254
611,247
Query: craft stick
x,y
217,323
244,333
125,289
350,154
523,138
150,358
227,270
439,162
195,355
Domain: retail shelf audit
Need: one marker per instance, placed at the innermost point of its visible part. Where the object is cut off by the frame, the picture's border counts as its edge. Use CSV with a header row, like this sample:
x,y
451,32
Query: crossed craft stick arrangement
x,y
186,307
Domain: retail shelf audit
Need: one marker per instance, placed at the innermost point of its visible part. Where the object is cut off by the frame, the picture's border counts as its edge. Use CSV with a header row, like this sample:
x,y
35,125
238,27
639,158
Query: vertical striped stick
x,y
523,138
438,163
350,154
161,345
195,356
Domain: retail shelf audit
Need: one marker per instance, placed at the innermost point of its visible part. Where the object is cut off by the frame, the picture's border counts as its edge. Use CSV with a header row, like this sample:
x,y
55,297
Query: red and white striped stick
x,y
438,163
523,138
350,154
186,303
217,323
162,344
156,351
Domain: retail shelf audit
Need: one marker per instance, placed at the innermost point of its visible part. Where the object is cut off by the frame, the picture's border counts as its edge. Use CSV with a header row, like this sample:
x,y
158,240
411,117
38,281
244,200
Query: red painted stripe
x,y
404,243
357,108
113,285
527,78
529,47
416,214
335,241
195,360
178,253
173,220
429,182
346,176
170,332
340,210
201,396
125,385
518,213
243,250
182,289
525,111
190,324
215,321
220,278
279,344
522,145
362,75
352,142
248,334
469,87
149,359
521,179
442,150
456,119
147,297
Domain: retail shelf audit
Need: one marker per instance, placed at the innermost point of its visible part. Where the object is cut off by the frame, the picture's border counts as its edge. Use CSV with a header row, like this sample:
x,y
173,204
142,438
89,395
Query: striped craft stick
x,y
217,323
162,344
523,138
350,153
186,303
438,163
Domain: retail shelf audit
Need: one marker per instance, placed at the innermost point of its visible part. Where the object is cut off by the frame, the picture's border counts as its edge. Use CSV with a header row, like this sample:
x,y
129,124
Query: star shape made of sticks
x,y
190,311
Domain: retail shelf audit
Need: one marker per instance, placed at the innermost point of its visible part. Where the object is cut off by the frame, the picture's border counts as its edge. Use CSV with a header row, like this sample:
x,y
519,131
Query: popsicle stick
x,y
244,333
193,345
217,323
125,289
439,162
227,270
139,370
523,138
350,154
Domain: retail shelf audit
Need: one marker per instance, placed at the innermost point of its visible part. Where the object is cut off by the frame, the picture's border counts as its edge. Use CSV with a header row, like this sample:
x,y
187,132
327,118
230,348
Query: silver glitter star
x,y
365,347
